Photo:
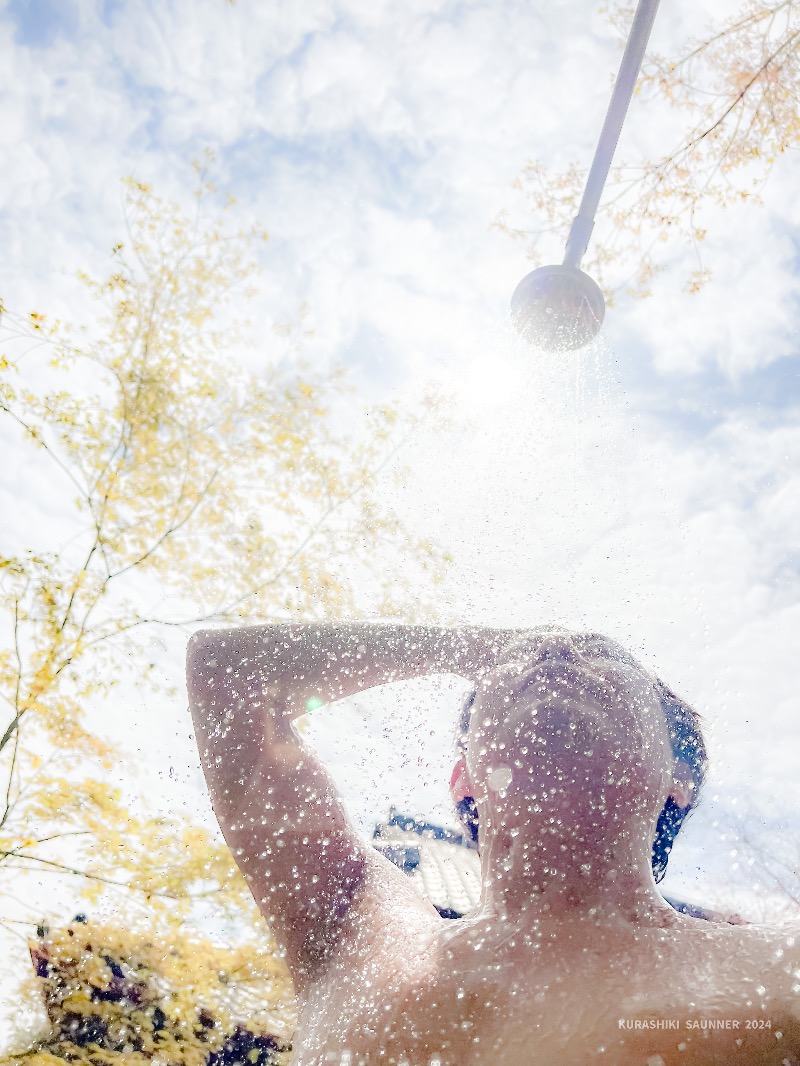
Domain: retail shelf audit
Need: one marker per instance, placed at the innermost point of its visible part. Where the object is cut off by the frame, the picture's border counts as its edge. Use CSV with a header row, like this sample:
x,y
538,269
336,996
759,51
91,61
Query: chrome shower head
x,y
558,308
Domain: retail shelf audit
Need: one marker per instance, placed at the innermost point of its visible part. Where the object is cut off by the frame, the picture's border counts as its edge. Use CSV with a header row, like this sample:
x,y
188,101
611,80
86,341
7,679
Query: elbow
x,y
217,662
199,642
222,645
206,662
200,652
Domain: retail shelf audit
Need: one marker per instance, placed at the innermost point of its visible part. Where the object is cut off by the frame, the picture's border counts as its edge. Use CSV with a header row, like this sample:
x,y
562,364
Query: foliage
x,y
739,89
113,996
198,490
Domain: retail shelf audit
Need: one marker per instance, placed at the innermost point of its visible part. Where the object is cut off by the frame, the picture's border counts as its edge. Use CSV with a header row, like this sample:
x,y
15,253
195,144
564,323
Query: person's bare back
x,y
428,990
572,956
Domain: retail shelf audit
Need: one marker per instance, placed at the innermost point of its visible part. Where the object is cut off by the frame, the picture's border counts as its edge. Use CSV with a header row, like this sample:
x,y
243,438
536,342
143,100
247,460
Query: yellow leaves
x,y
34,434
194,837
146,994
696,281
138,186
116,282
83,803
38,1058
14,566
199,316
223,491
183,974
389,414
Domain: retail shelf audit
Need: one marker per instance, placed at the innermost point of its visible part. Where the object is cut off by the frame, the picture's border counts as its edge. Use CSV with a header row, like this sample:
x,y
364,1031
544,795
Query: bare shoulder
x,y
759,966
783,958
777,942
390,917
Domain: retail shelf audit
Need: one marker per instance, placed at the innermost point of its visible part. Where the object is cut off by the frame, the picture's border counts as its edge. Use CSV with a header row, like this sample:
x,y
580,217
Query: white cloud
x,y
748,315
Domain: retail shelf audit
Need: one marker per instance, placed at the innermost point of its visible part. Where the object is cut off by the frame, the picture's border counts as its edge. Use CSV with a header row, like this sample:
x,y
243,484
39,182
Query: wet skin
x,y
572,953
473,992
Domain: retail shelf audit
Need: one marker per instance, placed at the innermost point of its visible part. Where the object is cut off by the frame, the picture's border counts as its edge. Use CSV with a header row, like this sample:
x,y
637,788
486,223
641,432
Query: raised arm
x,y
276,804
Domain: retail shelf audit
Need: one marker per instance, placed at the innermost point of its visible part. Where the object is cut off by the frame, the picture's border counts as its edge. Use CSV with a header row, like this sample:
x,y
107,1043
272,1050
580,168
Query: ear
x,y
460,783
682,789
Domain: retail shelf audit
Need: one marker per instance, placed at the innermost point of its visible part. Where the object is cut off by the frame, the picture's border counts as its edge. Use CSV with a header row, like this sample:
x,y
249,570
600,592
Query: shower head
x,y
558,308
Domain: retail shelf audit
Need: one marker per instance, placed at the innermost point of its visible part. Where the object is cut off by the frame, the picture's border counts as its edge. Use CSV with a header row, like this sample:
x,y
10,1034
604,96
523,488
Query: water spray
x,y
560,308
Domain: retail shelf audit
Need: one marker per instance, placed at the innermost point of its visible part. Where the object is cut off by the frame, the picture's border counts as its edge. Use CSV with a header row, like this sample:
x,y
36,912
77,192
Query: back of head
x,y
688,748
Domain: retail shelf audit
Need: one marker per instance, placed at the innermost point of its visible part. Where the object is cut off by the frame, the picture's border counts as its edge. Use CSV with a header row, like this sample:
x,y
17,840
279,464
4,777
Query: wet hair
x,y
688,747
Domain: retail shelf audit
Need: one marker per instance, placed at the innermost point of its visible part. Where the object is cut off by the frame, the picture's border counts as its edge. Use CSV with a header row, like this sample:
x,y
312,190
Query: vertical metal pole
x,y
582,226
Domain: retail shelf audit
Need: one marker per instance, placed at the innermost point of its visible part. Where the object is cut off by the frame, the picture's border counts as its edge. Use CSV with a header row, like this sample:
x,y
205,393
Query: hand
x,y
522,647
504,680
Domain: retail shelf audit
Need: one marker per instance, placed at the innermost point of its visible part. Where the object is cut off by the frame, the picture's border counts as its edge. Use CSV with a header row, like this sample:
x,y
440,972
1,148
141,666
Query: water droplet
x,y
499,779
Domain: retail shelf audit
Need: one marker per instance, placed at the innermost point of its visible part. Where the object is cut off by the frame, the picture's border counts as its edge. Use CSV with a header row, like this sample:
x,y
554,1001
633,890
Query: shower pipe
x,y
582,226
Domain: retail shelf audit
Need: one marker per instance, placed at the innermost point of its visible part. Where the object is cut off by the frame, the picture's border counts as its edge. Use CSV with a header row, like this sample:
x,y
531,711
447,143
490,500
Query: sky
x,y
648,487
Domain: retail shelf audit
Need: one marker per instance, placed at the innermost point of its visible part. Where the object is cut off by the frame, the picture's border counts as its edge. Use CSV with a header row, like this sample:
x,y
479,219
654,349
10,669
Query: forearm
x,y
340,660
330,661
